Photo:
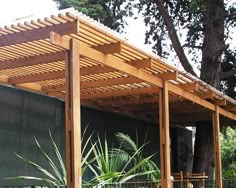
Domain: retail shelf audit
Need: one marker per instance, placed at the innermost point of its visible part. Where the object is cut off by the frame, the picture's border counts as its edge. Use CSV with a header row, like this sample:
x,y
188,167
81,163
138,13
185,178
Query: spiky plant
x,y
122,164
56,175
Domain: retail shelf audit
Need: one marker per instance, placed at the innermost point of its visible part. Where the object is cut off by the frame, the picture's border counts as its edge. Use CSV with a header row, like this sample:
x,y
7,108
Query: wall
x,y
24,115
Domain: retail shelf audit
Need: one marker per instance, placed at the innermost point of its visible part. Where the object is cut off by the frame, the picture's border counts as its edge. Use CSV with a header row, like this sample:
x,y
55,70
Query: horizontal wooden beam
x,y
109,48
37,77
57,75
122,92
221,102
207,95
168,76
110,82
39,33
189,87
231,108
97,83
141,63
30,86
128,100
115,63
33,60
57,94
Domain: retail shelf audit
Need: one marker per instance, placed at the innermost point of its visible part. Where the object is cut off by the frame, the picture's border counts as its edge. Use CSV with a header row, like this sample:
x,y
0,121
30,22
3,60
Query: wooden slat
x,y
34,60
115,63
110,82
124,92
37,34
37,77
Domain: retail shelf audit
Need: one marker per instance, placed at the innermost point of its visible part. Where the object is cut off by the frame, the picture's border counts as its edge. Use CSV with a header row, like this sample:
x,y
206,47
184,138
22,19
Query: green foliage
x,y
110,13
55,176
121,164
228,151
109,165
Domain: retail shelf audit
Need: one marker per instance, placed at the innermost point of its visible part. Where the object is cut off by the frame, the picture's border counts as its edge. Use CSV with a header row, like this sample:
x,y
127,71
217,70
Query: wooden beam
x,y
110,82
207,95
216,136
56,75
119,65
39,33
109,48
221,102
231,108
189,87
30,86
73,119
168,76
164,136
37,77
33,60
3,79
57,94
116,93
128,100
141,63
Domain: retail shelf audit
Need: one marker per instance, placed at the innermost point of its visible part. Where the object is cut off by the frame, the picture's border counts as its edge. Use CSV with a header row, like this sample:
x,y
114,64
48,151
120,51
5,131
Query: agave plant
x,y
122,164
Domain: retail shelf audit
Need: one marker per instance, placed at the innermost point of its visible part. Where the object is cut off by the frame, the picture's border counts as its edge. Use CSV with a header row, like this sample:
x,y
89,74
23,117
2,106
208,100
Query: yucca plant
x,y
122,164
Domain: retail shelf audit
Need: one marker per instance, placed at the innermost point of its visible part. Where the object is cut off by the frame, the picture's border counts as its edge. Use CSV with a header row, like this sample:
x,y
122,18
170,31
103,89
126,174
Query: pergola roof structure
x,y
72,57
115,75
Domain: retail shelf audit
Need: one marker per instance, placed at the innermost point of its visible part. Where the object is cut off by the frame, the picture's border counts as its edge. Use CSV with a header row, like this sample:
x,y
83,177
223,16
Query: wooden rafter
x,y
33,60
109,48
39,33
115,63
123,92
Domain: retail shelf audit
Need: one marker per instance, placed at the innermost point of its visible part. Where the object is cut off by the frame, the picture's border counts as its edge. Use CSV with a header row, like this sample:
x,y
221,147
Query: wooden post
x,y
216,137
73,122
164,136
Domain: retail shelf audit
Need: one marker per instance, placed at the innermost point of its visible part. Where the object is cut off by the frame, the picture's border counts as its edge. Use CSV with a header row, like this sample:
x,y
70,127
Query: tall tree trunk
x,y
213,46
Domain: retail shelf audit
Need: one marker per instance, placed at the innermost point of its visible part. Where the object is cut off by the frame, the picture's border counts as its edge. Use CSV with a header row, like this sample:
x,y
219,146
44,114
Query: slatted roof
x,y
29,60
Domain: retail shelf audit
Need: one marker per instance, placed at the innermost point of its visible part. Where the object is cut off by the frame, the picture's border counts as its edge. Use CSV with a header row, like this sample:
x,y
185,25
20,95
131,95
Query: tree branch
x,y
192,46
174,38
228,74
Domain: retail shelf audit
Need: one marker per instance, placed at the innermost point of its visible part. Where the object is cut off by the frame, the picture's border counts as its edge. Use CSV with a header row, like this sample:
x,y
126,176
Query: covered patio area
x,y
72,57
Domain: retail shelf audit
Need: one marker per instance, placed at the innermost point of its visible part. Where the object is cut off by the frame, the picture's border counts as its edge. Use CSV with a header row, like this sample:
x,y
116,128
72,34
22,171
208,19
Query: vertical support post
x,y
216,137
164,136
73,121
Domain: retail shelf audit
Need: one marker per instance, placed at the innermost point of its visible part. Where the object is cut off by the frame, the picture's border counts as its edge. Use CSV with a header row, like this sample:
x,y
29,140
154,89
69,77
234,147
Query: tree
x,y
228,151
110,13
204,22
208,25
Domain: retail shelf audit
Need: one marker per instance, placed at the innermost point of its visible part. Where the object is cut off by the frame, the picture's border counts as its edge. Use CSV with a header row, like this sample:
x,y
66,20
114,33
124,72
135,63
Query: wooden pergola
x,y
72,57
